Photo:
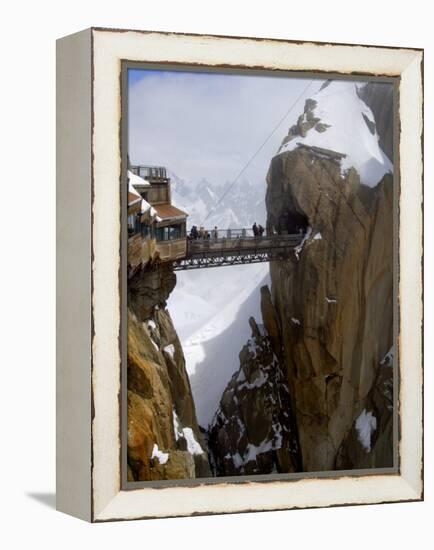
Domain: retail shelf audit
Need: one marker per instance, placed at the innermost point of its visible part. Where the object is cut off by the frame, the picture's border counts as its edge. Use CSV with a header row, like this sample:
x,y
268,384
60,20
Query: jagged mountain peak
x,y
229,205
336,119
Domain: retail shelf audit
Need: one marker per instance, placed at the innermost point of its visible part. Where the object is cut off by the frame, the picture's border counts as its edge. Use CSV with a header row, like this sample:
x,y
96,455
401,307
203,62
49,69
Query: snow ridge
x,y
346,126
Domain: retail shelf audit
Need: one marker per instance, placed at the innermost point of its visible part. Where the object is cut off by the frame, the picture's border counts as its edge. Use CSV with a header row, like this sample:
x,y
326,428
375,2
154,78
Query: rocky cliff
x,y
334,297
253,431
164,439
319,371
379,97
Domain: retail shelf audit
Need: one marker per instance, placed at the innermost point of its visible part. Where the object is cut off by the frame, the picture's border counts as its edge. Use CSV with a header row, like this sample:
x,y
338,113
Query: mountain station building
x,y
156,228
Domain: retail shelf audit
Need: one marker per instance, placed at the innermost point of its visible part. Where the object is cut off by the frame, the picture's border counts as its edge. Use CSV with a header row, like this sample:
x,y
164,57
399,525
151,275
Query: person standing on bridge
x,y
255,230
215,233
260,230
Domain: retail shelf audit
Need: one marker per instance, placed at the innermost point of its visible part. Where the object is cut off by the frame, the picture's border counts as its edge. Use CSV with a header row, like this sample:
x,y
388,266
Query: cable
x,y
256,152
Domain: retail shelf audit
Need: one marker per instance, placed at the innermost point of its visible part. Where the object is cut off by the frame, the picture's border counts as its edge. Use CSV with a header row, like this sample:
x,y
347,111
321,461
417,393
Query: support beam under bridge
x,y
206,253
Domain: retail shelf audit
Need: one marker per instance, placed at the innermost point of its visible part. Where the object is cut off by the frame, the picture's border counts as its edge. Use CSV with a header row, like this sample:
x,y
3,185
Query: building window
x,y
146,231
144,171
131,225
170,233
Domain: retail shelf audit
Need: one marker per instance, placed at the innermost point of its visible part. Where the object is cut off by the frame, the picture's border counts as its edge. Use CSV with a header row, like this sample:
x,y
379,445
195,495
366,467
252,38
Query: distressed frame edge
x,y
251,38
411,255
73,275
411,488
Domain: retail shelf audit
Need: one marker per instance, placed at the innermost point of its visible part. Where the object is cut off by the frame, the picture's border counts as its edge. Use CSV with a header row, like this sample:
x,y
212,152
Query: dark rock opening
x,y
292,221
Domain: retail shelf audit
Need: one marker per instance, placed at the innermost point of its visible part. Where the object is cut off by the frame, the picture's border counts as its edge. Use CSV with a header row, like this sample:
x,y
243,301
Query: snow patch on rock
x,y
299,248
159,455
366,424
343,114
170,350
257,383
193,447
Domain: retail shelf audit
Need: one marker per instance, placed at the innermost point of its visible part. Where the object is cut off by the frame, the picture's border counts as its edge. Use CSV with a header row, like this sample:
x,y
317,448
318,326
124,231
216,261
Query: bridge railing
x,y
233,234
212,233
241,244
148,171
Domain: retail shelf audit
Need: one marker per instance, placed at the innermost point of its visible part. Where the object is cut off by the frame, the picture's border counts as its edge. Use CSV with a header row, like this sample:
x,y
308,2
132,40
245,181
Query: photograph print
x,y
260,274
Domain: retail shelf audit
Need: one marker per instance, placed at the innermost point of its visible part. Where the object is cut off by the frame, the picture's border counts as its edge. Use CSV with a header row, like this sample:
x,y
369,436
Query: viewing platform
x,y
236,247
157,231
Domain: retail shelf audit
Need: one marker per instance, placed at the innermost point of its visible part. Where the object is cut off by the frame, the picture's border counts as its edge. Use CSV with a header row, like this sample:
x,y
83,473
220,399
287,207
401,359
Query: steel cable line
x,y
257,151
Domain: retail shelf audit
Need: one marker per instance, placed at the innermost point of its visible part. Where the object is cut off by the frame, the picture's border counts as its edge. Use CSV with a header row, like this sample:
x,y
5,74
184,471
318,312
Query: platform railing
x,y
241,244
243,233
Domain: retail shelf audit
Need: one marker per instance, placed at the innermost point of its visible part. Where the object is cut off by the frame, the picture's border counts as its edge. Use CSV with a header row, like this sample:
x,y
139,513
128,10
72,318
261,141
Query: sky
x,y
209,125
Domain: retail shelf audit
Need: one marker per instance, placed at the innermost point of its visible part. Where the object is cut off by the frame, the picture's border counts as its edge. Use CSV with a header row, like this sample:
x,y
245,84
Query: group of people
x,y
258,230
203,233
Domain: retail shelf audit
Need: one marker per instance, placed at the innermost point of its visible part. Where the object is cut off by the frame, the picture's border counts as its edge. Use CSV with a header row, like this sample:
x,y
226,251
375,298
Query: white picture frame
x,y
89,423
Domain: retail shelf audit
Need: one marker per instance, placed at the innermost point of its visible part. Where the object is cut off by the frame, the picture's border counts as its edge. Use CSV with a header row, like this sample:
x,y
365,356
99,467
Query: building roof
x,y
133,198
134,180
168,211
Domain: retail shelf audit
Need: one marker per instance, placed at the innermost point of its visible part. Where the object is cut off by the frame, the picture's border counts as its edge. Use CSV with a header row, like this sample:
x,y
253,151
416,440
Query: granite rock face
x,y
368,443
379,97
150,289
164,439
252,431
333,300
334,297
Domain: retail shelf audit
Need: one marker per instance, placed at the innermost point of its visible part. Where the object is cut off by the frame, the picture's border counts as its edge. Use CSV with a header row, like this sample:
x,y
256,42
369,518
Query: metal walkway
x,y
236,249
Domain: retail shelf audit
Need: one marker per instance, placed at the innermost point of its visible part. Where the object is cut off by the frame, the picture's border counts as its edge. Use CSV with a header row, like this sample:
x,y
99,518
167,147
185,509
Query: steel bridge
x,y
236,247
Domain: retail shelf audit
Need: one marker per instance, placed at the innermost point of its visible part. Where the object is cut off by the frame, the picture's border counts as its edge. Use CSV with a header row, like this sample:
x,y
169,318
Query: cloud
x,y
210,124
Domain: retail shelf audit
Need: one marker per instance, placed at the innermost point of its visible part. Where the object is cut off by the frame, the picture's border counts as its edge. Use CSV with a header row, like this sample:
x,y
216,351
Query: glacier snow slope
x,y
212,321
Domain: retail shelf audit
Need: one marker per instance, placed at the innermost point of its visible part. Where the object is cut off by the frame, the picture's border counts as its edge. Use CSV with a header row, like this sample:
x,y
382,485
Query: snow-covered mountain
x,y
227,206
337,119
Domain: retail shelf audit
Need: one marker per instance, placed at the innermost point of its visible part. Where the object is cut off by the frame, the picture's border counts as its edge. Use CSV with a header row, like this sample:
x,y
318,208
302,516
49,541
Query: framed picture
x,y
239,266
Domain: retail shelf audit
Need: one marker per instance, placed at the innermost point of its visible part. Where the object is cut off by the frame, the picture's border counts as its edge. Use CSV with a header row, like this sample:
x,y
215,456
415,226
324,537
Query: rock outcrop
x,y
252,431
305,122
368,444
164,439
334,300
379,97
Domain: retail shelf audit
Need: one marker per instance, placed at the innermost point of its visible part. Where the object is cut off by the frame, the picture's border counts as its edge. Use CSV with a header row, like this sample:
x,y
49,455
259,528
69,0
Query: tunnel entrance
x,y
292,222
